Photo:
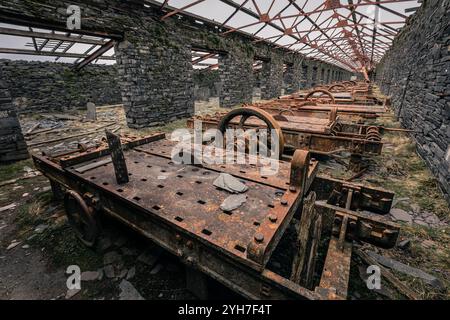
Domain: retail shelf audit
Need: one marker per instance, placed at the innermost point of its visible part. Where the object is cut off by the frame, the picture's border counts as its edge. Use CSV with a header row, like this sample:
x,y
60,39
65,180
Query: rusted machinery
x,y
337,94
323,136
351,113
176,205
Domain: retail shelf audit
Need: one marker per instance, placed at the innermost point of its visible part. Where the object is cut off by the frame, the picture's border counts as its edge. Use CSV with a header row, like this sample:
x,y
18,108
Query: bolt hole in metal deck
x,y
177,206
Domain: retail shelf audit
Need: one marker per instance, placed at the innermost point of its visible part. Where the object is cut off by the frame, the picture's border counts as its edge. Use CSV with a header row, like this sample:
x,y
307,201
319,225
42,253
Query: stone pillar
x,y
314,75
12,143
304,80
156,78
293,76
272,78
236,76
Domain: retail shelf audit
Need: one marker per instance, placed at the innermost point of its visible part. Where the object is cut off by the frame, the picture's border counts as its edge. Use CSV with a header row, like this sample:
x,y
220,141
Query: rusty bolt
x,y
284,202
259,237
273,218
292,188
178,237
189,244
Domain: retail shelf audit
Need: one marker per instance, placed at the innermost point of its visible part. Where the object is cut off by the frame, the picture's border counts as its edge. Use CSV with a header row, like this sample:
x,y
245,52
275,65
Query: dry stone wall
x,y
415,72
48,86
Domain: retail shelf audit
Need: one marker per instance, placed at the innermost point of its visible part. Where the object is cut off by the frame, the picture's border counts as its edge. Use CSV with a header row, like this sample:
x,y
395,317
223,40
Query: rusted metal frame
x,y
164,4
204,57
118,159
32,39
257,8
358,55
349,225
260,20
234,13
51,54
370,228
377,3
319,48
315,24
181,9
44,35
254,15
336,272
356,24
273,181
70,45
315,143
67,161
343,7
369,18
266,274
246,281
96,54
132,207
86,52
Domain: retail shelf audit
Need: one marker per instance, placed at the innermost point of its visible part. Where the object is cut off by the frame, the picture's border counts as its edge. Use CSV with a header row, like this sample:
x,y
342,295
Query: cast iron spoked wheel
x,y
324,92
81,218
248,112
336,88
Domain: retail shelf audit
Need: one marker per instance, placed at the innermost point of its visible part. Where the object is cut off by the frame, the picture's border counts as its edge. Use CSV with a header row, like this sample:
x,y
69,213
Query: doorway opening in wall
x,y
205,64
258,81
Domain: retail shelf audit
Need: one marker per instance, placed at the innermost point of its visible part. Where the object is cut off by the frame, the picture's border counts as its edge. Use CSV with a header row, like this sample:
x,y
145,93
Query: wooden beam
x,y
44,35
95,55
50,54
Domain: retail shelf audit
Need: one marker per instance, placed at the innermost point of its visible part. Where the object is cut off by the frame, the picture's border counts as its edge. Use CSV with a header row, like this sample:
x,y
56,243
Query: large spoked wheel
x,y
81,218
349,84
248,112
336,88
324,92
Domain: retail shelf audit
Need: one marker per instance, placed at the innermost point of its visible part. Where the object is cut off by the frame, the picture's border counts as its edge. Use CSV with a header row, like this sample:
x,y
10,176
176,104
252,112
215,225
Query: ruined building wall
x,y
48,86
12,143
154,57
415,73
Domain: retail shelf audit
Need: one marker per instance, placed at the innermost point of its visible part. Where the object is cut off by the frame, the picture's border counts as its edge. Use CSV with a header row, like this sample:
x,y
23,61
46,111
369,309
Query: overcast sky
x,y
219,12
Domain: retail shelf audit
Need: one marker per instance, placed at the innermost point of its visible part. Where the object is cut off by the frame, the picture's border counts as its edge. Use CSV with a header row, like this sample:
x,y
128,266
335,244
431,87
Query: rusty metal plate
x,y
184,195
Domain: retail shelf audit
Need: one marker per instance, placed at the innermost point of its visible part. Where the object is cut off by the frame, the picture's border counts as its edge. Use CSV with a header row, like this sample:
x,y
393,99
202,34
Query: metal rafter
x,y
342,43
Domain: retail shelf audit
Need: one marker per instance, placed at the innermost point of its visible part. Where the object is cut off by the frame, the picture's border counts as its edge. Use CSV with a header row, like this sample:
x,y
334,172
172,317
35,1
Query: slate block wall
x,y
272,78
153,58
236,76
12,143
156,78
415,73
48,86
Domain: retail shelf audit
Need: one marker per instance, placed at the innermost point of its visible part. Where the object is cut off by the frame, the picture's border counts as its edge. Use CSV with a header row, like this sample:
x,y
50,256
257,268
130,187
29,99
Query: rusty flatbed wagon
x,y
320,109
352,97
177,206
317,135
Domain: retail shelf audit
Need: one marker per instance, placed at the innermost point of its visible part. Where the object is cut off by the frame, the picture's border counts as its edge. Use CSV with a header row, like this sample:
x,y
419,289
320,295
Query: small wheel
x,y
248,112
328,93
81,218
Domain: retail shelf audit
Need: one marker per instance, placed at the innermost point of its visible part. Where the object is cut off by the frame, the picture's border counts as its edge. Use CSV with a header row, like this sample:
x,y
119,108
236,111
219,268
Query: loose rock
x,y
128,291
229,183
400,215
233,202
